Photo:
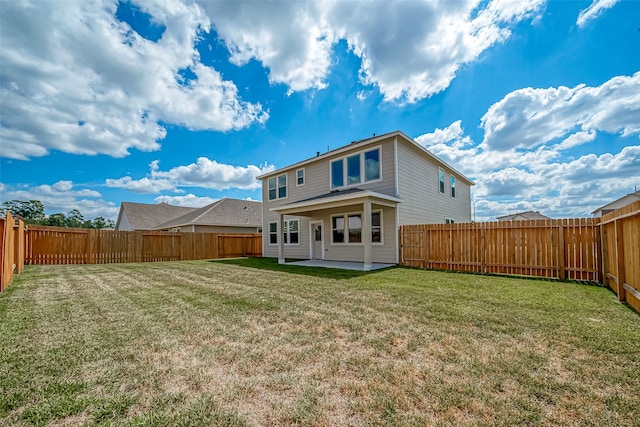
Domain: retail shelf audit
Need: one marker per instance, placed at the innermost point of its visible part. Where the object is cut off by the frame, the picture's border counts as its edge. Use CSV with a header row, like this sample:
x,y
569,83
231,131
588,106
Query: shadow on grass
x,y
272,264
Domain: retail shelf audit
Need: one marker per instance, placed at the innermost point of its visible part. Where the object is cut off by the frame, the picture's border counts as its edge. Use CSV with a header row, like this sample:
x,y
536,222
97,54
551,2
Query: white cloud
x,y
594,11
189,200
527,118
409,50
519,165
576,139
423,43
78,80
208,173
62,197
142,185
453,133
205,173
292,39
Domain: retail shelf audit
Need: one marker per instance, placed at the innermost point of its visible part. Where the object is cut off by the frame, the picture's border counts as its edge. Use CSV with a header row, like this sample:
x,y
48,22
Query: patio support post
x,y
280,239
366,234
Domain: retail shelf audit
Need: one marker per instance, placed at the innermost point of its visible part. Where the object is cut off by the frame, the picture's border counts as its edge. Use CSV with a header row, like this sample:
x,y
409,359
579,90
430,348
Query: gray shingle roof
x,y
143,216
225,212
528,215
622,201
330,194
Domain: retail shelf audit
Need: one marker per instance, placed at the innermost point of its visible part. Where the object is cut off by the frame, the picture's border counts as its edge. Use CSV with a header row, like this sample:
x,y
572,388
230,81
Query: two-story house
x,y
348,204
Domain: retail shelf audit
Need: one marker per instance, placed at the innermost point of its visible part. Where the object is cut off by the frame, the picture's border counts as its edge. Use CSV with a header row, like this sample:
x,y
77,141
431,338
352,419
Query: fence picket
x,y
57,245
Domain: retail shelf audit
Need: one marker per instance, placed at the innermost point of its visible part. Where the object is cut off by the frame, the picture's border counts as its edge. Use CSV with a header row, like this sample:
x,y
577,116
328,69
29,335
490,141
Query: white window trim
x,y
284,241
346,228
304,177
444,181
451,220
269,233
286,186
362,168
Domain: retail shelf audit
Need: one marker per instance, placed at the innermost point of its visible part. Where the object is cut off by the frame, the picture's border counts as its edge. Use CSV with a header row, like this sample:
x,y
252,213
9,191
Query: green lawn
x,y
248,342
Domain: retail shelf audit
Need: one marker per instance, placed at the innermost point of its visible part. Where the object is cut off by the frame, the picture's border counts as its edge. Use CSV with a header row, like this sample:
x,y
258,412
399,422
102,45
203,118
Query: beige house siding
x,y
318,176
418,187
124,223
318,182
221,229
416,184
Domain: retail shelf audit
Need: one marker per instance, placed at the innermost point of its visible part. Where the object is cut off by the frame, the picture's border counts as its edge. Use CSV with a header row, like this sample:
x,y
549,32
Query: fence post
x,y
3,225
425,247
483,249
87,256
562,273
400,254
620,274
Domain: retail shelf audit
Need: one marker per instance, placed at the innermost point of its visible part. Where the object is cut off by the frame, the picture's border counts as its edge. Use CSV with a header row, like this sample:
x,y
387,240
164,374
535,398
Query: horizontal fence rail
x,y
58,245
562,248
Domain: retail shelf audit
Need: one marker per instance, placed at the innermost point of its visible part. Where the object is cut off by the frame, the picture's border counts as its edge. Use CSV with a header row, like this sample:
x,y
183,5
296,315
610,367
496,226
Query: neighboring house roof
x,y
143,216
619,203
362,143
528,215
225,212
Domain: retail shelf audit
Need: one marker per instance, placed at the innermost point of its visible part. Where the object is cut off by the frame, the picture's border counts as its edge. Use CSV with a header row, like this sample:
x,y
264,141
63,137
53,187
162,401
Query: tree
x,y
75,219
57,220
31,211
99,223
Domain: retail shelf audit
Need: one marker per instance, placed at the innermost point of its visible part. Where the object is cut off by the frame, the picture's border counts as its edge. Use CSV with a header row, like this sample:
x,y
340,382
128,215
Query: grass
x,y
249,342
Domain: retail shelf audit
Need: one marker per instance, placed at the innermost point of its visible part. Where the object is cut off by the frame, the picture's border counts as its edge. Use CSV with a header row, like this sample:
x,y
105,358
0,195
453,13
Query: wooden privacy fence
x,y
621,253
562,248
58,245
605,250
12,249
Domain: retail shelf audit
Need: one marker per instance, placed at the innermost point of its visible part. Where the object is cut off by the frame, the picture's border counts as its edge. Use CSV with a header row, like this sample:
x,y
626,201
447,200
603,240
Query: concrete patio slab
x,y
344,265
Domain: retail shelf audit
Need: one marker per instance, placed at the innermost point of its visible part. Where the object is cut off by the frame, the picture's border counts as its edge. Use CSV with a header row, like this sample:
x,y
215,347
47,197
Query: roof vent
x,y
317,154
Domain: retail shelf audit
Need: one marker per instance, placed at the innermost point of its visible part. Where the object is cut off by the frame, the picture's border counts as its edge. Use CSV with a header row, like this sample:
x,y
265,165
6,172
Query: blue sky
x,y
187,102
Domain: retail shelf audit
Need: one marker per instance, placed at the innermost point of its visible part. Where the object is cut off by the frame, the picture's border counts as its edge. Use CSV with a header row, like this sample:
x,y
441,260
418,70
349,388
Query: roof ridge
x,y
206,209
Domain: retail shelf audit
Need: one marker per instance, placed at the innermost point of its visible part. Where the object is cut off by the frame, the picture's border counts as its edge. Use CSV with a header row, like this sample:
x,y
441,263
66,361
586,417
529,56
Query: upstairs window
x,y
356,169
278,187
299,177
353,170
337,174
372,165
441,181
453,186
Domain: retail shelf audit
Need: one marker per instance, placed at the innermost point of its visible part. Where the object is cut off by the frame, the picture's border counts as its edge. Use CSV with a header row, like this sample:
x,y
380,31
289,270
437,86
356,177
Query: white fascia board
x,y
339,200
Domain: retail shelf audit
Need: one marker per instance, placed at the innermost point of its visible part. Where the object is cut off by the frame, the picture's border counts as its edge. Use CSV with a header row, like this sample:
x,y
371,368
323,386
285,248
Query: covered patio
x,y
362,199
